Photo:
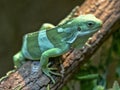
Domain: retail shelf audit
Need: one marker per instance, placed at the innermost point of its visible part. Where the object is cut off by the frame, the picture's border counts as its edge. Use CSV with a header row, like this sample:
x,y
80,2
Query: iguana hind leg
x,y
18,59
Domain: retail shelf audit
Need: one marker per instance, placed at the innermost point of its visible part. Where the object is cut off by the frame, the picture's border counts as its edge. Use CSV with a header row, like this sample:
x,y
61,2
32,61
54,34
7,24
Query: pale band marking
x,y
43,41
24,48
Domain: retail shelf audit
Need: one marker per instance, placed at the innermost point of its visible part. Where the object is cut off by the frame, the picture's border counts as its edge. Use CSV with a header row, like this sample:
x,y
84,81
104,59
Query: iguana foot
x,y
48,71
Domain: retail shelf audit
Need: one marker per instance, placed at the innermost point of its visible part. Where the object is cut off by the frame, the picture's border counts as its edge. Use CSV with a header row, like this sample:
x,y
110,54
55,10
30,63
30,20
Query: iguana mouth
x,y
80,33
74,36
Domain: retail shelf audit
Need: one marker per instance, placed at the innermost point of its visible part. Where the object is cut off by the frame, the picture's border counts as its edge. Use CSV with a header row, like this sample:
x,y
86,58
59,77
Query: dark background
x,y
18,17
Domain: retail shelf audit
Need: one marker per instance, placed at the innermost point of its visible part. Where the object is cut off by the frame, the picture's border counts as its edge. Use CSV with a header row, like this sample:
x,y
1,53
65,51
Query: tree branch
x,y
28,77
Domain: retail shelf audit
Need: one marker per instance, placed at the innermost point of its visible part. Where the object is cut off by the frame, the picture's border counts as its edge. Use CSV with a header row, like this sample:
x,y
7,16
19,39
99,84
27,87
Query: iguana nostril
x,y
79,29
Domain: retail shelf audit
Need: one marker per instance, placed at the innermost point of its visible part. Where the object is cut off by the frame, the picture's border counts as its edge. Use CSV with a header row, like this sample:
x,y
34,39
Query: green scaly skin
x,y
52,41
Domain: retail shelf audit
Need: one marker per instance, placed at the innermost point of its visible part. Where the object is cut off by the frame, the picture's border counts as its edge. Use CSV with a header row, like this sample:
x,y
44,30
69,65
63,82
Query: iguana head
x,y
87,24
82,26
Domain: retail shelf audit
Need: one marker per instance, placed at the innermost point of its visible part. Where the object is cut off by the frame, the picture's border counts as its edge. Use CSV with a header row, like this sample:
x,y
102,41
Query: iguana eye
x,y
79,29
90,24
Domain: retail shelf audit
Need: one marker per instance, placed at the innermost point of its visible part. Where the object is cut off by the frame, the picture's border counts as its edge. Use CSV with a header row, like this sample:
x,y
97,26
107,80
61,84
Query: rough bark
x,y
28,77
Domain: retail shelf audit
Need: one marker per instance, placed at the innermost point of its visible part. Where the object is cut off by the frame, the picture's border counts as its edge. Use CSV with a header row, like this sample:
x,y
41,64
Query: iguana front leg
x,y
44,61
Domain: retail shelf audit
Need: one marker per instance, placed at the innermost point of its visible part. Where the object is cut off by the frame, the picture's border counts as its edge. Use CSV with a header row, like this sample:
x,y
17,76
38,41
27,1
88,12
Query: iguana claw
x,y
48,71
